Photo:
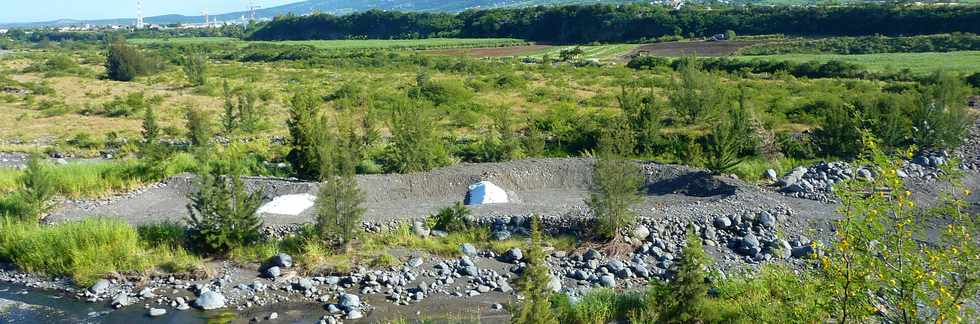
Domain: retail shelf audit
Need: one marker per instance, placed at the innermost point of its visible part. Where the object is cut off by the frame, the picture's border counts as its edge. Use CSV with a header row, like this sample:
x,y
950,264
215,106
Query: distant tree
x,y
570,54
616,181
415,145
730,135
643,114
195,66
940,119
125,63
304,116
223,214
688,292
697,94
151,131
228,119
730,35
533,283
535,141
198,127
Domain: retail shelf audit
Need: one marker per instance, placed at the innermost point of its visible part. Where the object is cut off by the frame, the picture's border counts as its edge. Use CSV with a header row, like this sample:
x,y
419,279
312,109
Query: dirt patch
x,y
700,48
491,51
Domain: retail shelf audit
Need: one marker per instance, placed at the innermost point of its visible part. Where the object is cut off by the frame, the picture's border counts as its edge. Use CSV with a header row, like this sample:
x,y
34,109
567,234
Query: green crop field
x,y
598,52
430,43
963,62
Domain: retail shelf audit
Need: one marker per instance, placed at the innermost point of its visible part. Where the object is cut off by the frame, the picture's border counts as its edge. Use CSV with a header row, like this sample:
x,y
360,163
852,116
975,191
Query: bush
x,y
688,292
452,219
36,189
697,94
839,134
198,128
131,104
940,119
304,116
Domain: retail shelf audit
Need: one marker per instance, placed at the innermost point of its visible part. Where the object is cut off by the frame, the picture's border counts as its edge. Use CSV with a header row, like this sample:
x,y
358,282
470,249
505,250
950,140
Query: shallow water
x,y
40,306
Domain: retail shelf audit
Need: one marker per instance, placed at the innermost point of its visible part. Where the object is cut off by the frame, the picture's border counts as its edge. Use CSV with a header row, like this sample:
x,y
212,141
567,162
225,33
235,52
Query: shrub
x,y
728,138
452,219
839,133
167,233
643,115
222,214
131,104
533,283
339,210
939,118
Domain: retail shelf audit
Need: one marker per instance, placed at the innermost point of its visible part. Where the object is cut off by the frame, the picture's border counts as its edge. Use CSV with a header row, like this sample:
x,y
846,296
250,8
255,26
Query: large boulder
x,y
100,286
793,177
210,300
349,301
282,260
485,192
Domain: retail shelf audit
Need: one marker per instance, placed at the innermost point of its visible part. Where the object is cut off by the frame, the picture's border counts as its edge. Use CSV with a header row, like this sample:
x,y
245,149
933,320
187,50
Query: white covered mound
x,y
485,192
292,205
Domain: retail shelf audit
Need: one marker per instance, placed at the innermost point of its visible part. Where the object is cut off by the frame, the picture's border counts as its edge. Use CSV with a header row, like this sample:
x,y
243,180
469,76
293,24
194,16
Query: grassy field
x,y
962,62
431,43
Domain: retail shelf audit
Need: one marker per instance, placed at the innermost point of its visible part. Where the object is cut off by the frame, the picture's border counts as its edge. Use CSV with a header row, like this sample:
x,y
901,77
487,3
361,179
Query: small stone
x,y
157,312
354,314
514,255
501,235
350,301
305,284
496,307
414,262
272,272
555,284
771,175
722,222
100,286
766,219
273,316
419,228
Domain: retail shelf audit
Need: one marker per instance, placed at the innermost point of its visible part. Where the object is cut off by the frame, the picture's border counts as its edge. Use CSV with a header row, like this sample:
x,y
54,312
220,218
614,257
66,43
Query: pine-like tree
x,y
688,292
533,283
36,189
339,210
643,114
198,127
223,214
616,181
228,119
730,136
151,131
697,94
304,116
415,145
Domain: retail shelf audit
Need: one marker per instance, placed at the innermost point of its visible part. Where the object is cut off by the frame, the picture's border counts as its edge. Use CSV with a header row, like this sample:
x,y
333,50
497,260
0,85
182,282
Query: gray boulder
x,y
772,176
272,272
468,249
121,300
282,260
99,287
793,177
722,222
641,232
305,284
513,255
608,281
749,245
210,300
803,252
349,301
555,284
157,312
780,248
767,219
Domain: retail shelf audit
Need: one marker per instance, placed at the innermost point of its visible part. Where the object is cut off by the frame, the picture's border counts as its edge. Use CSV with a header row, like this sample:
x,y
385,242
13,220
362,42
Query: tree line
x,y
628,23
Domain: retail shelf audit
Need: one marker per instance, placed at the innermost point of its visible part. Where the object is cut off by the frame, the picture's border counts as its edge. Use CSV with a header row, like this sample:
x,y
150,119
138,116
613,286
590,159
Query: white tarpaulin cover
x,y
485,192
288,204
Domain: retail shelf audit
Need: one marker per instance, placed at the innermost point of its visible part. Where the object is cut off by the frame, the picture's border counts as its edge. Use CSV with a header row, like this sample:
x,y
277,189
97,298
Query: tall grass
x,y
95,179
86,250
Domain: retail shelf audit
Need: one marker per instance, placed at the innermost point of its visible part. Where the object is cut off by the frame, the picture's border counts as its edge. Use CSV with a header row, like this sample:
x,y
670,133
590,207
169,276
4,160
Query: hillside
x,y
339,7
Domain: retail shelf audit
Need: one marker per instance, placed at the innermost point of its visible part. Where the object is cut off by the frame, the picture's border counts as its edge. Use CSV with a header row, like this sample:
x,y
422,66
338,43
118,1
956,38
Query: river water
x,y
23,305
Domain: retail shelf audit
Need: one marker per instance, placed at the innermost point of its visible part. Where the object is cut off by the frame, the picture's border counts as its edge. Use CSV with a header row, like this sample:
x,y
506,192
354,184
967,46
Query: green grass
x,y
95,179
87,250
918,63
428,43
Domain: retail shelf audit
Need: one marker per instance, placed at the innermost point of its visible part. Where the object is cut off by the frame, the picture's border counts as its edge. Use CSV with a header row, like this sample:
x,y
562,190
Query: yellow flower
x,y
938,302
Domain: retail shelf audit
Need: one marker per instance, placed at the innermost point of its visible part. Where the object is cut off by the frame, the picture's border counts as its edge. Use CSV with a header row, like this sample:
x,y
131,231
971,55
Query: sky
x,y
46,10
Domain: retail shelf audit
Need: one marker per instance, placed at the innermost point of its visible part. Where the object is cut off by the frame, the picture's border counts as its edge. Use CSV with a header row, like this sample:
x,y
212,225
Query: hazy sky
x,y
44,10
